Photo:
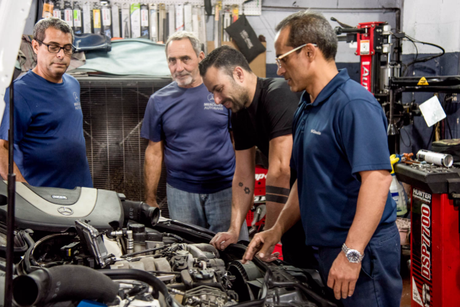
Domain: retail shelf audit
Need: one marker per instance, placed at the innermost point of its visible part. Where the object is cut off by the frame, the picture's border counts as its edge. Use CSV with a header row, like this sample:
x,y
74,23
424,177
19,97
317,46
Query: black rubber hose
x,y
140,212
63,283
143,276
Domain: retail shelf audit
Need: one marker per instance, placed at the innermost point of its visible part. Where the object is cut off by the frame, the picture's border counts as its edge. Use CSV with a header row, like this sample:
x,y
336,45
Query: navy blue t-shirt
x,y
50,148
340,134
198,152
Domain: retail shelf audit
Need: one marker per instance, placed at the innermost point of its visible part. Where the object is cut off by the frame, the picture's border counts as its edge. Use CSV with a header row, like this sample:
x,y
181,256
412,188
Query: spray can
x,y
57,10
48,6
77,23
106,18
436,158
96,19
144,20
397,190
68,13
135,20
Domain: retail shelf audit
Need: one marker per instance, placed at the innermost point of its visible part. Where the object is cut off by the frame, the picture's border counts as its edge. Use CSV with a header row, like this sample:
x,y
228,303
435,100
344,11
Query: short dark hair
x,y
224,57
310,27
59,24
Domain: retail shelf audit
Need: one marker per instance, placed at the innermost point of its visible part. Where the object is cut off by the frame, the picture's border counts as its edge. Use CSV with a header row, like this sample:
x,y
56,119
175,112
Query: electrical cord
x,y
422,60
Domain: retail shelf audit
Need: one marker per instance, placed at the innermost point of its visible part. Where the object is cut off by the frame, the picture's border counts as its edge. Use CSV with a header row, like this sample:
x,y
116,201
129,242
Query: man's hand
x,y
343,276
264,243
223,239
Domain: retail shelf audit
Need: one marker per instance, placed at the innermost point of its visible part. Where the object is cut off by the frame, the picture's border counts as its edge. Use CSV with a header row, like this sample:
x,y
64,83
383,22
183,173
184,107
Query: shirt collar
x,y
328,90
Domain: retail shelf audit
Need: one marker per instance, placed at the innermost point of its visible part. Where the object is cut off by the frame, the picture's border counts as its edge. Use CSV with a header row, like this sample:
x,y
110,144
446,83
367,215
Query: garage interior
x,y
422,60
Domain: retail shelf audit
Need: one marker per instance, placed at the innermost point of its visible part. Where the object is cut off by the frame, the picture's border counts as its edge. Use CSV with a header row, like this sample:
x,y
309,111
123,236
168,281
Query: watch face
x,y
353,256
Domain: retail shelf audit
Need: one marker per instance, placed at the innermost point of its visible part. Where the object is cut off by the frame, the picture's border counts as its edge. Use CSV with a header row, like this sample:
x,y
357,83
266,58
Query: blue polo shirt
x,y
198,152
340,134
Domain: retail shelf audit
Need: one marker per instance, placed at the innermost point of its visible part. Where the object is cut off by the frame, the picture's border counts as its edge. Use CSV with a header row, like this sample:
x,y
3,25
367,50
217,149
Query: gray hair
x,y
182,35
41,26
310,27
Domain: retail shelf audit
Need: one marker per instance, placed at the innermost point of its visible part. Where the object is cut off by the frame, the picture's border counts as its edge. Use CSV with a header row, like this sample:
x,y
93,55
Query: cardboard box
x,y
258,65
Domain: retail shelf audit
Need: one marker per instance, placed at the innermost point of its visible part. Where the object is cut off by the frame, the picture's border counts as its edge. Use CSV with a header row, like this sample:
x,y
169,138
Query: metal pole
x,y
11,201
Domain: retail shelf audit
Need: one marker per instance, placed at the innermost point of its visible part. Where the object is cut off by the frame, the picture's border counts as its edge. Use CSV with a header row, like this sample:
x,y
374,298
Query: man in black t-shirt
x,y
262,112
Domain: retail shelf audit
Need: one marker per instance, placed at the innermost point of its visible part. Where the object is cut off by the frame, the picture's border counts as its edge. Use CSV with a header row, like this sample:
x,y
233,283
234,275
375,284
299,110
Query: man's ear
x,y
35,46
201,56
310,51
238,74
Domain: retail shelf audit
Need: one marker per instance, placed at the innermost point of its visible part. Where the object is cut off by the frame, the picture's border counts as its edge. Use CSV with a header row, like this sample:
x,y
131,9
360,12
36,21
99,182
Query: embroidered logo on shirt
x,y
213,106
315,132
77,101
211,98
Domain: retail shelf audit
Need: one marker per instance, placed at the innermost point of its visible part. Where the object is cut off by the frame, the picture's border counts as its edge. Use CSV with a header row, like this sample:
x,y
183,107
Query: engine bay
x,y
138,258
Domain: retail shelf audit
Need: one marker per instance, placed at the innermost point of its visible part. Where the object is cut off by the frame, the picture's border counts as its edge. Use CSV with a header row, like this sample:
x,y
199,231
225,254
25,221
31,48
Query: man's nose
x,y
280,71
179,66
217,99
60,53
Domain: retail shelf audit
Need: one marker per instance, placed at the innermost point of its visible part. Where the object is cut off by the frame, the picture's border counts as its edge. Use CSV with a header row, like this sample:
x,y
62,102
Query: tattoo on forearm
x,y
269,189
246,189
276,194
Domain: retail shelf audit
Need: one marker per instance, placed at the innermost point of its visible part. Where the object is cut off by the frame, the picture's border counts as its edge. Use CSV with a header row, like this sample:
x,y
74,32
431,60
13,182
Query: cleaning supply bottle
x,y
397,190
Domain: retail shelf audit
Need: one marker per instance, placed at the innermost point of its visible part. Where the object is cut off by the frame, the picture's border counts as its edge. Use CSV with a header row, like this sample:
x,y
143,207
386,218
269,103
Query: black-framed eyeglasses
x,y
55,48
278,59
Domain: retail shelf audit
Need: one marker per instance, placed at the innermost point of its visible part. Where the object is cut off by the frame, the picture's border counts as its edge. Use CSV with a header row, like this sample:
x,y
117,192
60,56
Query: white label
x,y
144,18
68,17
106,17
86,18
77,18
364,47
57,14
179,17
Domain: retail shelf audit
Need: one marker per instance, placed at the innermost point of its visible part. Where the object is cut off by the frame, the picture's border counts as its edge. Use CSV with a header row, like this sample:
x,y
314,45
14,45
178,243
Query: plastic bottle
x,y
397,190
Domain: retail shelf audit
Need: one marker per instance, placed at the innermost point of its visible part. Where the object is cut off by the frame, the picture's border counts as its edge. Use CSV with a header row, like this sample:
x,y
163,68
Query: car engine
x,y
122,253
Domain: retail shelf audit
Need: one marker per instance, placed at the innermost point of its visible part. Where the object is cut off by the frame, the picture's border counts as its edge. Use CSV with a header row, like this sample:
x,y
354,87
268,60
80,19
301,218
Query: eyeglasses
x,y
54,48
278,59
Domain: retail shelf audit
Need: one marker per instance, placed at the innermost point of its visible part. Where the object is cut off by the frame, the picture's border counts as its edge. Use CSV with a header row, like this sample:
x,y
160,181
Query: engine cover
x,y
56,209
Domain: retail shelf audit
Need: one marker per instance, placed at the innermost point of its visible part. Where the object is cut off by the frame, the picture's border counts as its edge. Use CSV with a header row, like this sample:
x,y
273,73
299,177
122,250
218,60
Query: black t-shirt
x,y
269,115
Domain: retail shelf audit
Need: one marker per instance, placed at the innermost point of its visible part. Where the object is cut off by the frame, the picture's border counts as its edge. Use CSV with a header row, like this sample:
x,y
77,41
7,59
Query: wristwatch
x,y
352,254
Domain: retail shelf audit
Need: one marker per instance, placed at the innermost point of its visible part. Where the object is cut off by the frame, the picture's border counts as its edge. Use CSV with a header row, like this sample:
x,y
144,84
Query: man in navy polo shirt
x,y
191,133
341,156
49,146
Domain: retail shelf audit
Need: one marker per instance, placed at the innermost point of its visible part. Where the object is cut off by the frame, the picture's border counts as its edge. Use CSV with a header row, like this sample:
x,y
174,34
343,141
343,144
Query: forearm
x,y
242,198
370,206
290,213
152,173
4,165
277,193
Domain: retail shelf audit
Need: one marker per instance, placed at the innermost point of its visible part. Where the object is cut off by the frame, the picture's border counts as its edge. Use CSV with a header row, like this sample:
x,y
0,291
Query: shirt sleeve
x,y
152,126
362,127
22,117
281,104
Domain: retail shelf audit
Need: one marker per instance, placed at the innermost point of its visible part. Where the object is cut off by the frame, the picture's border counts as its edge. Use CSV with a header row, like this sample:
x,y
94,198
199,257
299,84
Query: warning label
x,y
422,81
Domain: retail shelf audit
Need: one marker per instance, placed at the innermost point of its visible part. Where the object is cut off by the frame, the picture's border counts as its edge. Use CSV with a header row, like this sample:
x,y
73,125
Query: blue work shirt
x,y
198,152
340,134
50,149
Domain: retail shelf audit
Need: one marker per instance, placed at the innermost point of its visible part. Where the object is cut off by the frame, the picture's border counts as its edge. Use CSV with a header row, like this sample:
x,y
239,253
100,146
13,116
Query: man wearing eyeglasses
x,y
49,145
262,111
341,156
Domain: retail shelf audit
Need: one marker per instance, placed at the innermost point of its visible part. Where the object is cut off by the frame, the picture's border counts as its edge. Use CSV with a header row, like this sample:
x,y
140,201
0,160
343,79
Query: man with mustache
x,y
186,129
262,112
49,146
